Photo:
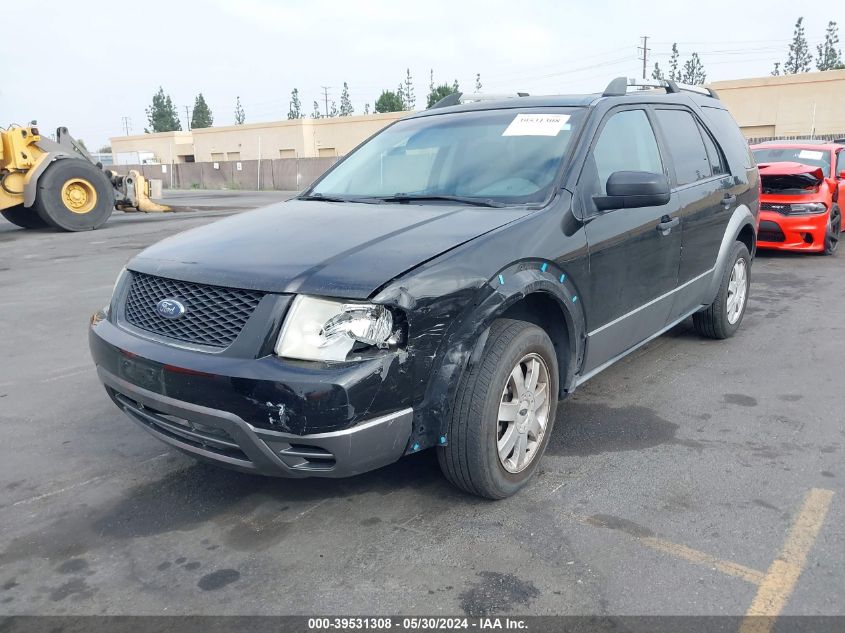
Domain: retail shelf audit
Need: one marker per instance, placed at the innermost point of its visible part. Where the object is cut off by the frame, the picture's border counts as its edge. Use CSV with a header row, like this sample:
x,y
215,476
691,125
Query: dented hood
x,y
322,248
790,175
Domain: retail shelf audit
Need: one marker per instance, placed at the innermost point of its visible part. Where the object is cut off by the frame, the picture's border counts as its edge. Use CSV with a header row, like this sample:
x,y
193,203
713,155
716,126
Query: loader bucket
x,y
132,193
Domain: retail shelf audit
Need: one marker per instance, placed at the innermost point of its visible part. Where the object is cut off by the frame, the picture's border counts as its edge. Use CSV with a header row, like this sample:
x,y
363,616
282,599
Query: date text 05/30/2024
x,y
415,624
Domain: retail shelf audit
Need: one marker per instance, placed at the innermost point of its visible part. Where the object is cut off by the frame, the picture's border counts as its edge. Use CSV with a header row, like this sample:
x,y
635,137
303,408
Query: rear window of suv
x,y
727,133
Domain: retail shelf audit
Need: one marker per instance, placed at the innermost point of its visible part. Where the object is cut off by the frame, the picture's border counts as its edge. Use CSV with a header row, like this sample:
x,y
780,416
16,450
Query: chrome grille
x,y
214,316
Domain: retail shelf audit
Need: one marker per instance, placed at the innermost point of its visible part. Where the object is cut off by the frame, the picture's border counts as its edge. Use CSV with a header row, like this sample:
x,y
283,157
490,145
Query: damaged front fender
x,y
448,335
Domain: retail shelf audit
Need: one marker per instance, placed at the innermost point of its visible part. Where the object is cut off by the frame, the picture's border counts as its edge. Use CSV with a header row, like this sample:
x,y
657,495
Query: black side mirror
x,y
634,189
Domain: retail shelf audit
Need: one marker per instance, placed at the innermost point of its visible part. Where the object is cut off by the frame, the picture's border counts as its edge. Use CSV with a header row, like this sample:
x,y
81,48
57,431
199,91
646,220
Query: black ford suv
x,y
444,285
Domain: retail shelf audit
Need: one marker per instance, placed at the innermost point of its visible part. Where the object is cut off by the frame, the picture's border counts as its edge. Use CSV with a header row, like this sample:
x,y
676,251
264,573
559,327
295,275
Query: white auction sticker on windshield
x,y
812,155
536,125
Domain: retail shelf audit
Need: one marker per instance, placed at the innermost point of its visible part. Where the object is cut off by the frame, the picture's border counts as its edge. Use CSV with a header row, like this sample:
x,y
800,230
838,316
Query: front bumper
x,y
792,232
260,415
227,440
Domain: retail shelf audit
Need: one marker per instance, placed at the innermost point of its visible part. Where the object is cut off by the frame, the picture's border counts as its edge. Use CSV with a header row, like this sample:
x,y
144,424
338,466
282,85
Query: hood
x,y
789,176
331,249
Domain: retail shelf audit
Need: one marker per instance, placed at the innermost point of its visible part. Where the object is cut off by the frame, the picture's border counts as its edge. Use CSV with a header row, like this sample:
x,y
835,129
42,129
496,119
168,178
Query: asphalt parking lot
x,y
694,477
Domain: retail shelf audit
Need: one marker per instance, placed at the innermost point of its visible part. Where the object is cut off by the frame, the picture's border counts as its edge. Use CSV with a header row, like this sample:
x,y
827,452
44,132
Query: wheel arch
x,y
536,291
742,227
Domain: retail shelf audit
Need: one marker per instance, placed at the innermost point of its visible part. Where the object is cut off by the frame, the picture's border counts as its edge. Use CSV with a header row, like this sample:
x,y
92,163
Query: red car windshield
x,y
807,155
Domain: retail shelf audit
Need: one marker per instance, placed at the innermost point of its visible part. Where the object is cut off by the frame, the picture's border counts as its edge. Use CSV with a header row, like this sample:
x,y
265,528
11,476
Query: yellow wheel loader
x,y
57,183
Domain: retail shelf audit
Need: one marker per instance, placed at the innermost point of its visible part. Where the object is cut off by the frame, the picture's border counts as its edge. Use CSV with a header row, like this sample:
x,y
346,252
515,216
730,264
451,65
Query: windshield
x,y
503,156
803,155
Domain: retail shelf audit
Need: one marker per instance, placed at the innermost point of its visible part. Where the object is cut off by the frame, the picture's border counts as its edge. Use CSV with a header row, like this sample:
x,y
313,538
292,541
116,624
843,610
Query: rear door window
x,y
685,144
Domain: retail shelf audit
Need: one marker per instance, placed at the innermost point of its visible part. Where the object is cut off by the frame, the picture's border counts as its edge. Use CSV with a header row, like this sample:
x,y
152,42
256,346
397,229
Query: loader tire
x,y
74,195
25,218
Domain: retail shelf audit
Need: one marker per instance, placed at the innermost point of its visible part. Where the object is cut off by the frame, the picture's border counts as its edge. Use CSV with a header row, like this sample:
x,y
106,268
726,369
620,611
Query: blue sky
x,y
90,67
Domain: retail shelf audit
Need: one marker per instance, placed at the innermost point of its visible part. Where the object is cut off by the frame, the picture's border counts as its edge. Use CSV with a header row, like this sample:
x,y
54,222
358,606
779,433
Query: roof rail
x,y
619,87
458,97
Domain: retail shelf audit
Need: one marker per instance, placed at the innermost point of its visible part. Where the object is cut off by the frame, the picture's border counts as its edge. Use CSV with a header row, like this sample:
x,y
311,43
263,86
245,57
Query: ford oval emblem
x,y
170,308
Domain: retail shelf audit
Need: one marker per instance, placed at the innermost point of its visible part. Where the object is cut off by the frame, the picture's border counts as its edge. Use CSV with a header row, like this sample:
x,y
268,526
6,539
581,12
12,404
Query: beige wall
x,y
783,106
163,145
300,138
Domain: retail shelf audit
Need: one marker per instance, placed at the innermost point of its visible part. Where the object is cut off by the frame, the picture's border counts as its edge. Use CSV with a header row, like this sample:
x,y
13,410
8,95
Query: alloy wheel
x,y
523,413
737,290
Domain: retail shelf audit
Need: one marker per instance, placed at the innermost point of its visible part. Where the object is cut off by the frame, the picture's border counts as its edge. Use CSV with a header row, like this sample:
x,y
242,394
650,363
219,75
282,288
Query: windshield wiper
x,y
322,198
405,197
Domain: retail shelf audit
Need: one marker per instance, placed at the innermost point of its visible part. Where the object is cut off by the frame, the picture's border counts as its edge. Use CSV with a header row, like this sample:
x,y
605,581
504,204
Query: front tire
x,y
722,318
74,195
504,412
834,228
26,218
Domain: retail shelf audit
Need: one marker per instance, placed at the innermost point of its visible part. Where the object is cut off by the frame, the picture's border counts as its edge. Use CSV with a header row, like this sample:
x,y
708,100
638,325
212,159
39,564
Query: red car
x,y
801,185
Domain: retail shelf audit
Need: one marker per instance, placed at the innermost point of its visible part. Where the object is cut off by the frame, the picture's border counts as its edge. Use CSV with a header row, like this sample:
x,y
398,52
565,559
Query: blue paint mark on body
x,y
544,267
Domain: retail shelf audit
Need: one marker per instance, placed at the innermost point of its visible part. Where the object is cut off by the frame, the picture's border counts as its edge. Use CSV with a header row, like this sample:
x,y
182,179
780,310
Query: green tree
x,y
240,117
657,73
829,56
346,108
105,149
366,108
408,98
315,113
478,82
439,92
389,101
694,71
674,72
295,111
162,115
799,58
333,111
201,116
455,86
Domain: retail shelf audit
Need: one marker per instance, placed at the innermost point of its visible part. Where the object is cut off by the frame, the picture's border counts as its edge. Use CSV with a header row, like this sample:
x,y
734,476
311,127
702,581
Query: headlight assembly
x,y
324,329
807,208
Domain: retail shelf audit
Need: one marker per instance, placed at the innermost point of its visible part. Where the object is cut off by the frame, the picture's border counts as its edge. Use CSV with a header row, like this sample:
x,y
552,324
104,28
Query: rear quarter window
x,y
727,133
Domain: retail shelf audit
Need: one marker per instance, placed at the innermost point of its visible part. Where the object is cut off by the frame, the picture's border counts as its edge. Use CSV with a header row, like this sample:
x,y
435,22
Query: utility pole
x,y
326,97
188,117
126,123
645,49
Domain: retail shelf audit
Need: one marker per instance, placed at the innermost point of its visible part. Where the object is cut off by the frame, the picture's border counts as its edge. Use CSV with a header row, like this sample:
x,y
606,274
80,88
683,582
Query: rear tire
x,y
26,218
834,228
477,458
722,318
74,195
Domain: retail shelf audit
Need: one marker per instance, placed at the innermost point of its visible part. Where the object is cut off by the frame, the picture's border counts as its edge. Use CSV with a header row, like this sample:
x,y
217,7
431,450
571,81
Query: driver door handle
x,y
667,224
728,200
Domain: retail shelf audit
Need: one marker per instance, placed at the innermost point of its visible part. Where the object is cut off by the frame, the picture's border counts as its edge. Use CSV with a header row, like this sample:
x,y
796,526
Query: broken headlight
x,y
324,329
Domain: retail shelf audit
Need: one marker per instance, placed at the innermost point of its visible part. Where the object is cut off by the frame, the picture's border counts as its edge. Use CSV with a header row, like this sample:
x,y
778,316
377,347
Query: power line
x,y
188,117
